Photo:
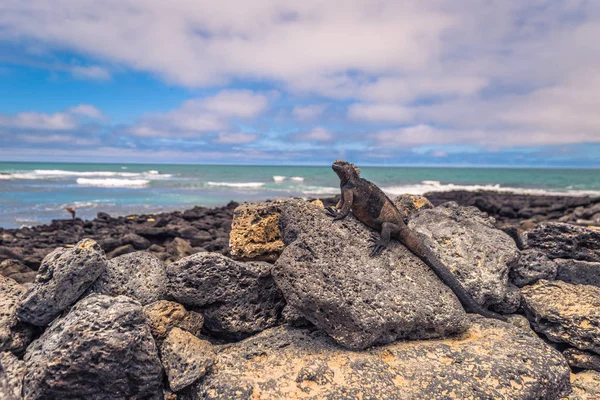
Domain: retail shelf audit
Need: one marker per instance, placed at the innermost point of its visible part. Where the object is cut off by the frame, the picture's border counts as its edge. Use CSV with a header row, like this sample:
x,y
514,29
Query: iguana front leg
x,y
347,198
387,230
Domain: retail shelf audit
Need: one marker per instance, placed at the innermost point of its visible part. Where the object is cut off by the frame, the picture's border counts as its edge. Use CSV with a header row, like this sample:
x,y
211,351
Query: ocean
x,y
36,193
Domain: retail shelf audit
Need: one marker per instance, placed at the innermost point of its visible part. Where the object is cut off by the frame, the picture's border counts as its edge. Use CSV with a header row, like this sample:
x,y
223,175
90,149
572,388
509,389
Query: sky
x,y
430,82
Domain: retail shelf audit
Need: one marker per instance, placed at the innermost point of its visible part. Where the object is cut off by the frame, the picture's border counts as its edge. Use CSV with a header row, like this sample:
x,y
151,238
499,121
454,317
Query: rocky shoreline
x,y
273,300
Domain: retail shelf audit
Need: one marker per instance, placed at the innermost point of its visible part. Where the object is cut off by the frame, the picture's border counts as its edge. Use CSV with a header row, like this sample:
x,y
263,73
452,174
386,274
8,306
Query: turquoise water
x,y
34,193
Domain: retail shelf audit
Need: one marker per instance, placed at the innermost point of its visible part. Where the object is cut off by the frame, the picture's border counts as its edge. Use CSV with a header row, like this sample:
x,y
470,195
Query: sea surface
x,y
36,193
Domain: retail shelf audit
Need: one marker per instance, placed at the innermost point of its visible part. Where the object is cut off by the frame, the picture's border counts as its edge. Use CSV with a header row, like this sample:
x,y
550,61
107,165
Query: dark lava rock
x,y
474,250
65,274
327,275
560,240
236,298
164,315
185,358
492,360
532,266
13,370
139,275
15,336
582,359
578,272
565,313
102,349
121,250
17,271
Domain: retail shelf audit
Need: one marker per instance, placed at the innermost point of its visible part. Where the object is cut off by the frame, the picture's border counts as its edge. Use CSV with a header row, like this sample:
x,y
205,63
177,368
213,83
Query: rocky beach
x,y
273,300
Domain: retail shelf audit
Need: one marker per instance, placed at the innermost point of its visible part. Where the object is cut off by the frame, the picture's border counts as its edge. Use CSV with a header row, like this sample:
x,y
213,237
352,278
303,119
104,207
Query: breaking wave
x,y
437,186
112,182
237,184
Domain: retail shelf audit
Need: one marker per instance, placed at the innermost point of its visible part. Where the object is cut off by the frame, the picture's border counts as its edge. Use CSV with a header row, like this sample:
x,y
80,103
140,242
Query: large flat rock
x,y
102,349
561,240
492,360
474,250
328,277
565,313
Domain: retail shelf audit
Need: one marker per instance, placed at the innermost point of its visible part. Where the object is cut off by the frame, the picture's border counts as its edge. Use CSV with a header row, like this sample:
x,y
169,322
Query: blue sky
x,y
435,82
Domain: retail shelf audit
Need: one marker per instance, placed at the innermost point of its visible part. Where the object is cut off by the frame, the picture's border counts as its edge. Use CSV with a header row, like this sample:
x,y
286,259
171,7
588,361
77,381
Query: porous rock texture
x,y
164,315
561,240
474,250
185,358
327,275
14,335
236,298
13,370
255,233
586,386
65,274
102,349
409,204
492,360
140,275
582,359
565,313
578,272
532,266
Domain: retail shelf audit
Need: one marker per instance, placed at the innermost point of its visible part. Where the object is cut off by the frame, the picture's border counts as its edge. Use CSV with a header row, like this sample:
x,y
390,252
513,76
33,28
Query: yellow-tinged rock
x,y
255,232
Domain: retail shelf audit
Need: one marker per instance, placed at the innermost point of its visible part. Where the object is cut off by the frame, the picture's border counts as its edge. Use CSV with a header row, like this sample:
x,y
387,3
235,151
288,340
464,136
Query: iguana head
x,y
345,170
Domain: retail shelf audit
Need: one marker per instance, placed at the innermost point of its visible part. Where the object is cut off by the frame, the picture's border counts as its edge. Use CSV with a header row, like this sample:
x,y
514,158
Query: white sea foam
x,y
319,190
297,178
112,182
278,178
436,186
41,174
237,184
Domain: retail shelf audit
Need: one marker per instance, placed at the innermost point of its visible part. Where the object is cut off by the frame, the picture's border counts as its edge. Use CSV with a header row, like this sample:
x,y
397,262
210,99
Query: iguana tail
x,y
416,246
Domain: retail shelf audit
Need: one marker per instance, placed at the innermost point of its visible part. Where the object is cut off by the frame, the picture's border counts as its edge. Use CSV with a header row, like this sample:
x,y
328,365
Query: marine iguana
x,y
373,208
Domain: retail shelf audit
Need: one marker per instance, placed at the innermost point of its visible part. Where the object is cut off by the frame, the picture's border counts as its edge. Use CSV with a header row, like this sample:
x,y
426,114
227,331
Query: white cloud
x,y
196,117
309,112
317,134
235,138
523,69
380,112
92,72
59,121
86,110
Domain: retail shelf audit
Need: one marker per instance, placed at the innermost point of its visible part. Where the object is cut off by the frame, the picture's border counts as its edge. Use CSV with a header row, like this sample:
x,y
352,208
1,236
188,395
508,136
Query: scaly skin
x,y
373,208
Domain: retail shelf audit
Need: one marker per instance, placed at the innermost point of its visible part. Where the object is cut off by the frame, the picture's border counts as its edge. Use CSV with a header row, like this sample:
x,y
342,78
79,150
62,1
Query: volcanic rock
x,y
17,271
565,313
410,204
478,254
102,349
14,335
582,359
532,266
560,240
492,359
139,275
578,272
326,274
164,315
586,386
13,370
185,358
236,298
65,274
